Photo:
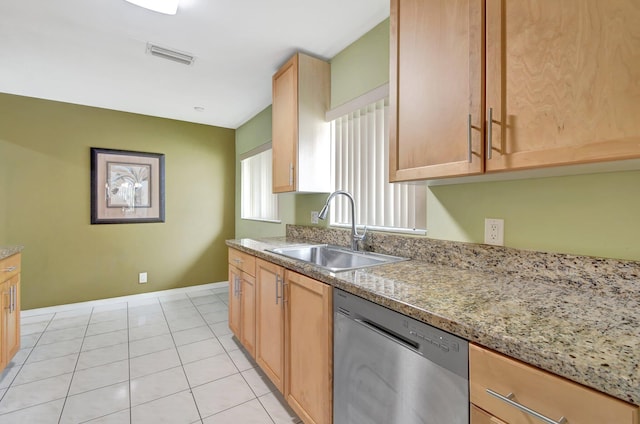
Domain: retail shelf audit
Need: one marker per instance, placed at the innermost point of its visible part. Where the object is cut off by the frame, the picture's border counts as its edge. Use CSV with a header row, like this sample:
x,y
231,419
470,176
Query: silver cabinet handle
x,y
13,298
10,269
509,400
490,133
277,287
469,137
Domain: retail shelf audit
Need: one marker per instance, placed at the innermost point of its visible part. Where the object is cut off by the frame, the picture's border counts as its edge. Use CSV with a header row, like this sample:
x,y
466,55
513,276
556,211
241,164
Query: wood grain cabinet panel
x,y
562,82
309,348
10,303
543,392
270,321
242,298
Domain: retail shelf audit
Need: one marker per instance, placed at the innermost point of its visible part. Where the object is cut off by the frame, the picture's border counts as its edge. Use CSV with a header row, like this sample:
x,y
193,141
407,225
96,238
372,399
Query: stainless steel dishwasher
x,y
392,369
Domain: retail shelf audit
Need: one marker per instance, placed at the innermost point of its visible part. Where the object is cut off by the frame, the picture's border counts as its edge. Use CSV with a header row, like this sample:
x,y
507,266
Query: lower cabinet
x,y
10,304
501,386
270,311
309,348
293,323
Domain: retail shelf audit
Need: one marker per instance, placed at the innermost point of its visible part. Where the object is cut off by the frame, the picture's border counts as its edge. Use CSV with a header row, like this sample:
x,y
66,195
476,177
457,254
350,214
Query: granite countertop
x,y
586,331
6,251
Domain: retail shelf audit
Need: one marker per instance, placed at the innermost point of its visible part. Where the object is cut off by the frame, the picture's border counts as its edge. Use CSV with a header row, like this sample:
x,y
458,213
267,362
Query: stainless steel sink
x,y
335,258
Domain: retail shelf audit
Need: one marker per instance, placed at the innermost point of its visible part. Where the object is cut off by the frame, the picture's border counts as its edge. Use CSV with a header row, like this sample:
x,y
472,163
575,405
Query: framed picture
x,y
126,187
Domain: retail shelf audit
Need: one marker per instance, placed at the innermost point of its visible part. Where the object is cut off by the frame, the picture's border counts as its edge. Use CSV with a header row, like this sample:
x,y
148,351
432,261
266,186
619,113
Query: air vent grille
x,y
169,54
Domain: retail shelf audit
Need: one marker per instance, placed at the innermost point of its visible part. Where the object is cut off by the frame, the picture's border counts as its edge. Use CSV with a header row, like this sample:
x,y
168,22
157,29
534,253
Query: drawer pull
x,y
509,400
237,260
10,269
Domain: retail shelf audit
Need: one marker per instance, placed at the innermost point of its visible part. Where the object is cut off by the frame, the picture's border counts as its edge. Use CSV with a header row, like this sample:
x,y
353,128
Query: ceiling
x,y
93,52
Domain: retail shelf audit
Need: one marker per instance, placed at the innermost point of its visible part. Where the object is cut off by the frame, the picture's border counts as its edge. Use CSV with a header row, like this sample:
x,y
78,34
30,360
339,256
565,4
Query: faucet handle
x,y
361,237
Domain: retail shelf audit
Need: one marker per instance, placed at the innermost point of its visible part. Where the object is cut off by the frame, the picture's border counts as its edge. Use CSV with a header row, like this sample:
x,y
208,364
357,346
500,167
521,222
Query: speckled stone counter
x,y
6,251
577,317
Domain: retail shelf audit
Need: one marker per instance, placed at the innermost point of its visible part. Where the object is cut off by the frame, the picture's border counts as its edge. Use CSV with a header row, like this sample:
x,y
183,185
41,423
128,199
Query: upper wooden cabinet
x,y
300,133
435,90
556,80
562,82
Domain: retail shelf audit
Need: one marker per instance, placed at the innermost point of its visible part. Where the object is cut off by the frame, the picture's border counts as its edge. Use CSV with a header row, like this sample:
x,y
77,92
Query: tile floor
x,y
165,359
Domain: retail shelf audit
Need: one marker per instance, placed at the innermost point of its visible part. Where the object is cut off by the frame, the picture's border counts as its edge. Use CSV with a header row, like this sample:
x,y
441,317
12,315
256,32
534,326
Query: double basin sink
x,y
335,258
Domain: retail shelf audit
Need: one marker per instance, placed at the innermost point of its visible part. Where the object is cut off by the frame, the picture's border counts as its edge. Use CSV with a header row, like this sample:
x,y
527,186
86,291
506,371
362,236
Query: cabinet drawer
x,y
478,416
543,392
243,261
9,267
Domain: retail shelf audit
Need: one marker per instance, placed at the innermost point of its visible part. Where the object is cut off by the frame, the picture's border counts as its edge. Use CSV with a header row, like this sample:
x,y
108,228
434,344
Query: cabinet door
x,y
5,302
478,416
436,104
234,301
270,321
285,126
248,313
562,82
309,348
11,339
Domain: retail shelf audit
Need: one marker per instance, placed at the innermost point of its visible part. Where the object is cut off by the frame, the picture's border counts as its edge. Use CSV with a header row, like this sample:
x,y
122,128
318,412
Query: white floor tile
x,y
146,331
209,369
150,345
35,319
251,412
44,369
146,319
35,328
200,293
206,299
179,408
54,336
46,413
110,315
222,394
229,342
177,305
54,350
220,328
71,322
101,376
110,307
122,417
278,409
192,335
105,340
96,403
154,386
186,323
20,357
7,375
216,306
258,381
199,350
242,359
37,392
154,362
29,340
107,326
102,356
73,312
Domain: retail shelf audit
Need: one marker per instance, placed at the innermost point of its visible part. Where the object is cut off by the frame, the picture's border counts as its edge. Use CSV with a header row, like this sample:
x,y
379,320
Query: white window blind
x,y
360,145
257,200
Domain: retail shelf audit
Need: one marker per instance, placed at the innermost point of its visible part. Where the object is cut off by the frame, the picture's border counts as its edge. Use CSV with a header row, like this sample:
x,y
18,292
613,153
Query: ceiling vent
x,y
165,53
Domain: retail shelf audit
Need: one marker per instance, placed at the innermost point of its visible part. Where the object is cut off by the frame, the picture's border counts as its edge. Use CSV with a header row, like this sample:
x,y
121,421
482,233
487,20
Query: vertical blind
x,y
360,145
257,200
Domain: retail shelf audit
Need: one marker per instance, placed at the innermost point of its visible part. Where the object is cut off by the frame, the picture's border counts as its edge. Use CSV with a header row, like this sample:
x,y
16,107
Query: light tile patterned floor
x,y
166,359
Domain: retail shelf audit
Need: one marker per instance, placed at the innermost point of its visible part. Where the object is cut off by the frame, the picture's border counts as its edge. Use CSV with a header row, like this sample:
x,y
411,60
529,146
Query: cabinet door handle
x,y
237,260
508,399
290,173
469,138
277,287
10,269
490,133
13,298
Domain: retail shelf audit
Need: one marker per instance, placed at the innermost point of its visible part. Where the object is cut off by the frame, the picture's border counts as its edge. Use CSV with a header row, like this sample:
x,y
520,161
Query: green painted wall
x,y
362,66
45,155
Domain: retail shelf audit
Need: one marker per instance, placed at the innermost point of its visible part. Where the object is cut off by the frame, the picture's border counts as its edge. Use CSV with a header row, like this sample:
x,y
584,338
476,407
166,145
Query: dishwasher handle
x,y
389,335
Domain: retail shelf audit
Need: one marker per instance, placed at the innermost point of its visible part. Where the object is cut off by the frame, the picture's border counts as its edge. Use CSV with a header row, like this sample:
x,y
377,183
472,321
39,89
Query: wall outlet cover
x,y
142,278
494,231
314,217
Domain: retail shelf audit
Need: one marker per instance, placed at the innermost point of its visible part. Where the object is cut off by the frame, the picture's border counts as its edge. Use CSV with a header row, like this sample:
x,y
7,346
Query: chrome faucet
x,y
355,237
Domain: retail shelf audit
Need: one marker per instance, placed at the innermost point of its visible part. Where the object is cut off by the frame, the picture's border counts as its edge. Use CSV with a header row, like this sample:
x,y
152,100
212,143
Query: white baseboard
x,y
122,299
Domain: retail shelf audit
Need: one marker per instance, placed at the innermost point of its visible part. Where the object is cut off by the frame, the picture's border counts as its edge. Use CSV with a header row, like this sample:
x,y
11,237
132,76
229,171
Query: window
x,y
360,145
257,200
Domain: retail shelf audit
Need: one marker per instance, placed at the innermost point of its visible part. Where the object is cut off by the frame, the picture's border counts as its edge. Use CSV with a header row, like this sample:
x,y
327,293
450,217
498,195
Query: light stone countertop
x,y
6,251
586,331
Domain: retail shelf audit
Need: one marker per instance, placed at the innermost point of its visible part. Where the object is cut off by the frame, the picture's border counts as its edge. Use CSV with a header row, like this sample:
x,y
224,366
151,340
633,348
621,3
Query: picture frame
x,y
127,187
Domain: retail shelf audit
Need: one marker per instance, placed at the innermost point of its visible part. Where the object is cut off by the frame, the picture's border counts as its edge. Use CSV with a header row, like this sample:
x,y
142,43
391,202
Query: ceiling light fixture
x,y
168,7
165,53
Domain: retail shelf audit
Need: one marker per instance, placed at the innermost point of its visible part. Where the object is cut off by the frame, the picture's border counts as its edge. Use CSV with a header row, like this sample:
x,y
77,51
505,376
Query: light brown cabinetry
x,y
546,83
10,303
492,375
300,133
270,313
242,297
309,348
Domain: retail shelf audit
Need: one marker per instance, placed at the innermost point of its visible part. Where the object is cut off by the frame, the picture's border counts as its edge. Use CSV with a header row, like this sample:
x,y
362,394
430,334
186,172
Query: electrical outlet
x,y
142,278
314,217
494,231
